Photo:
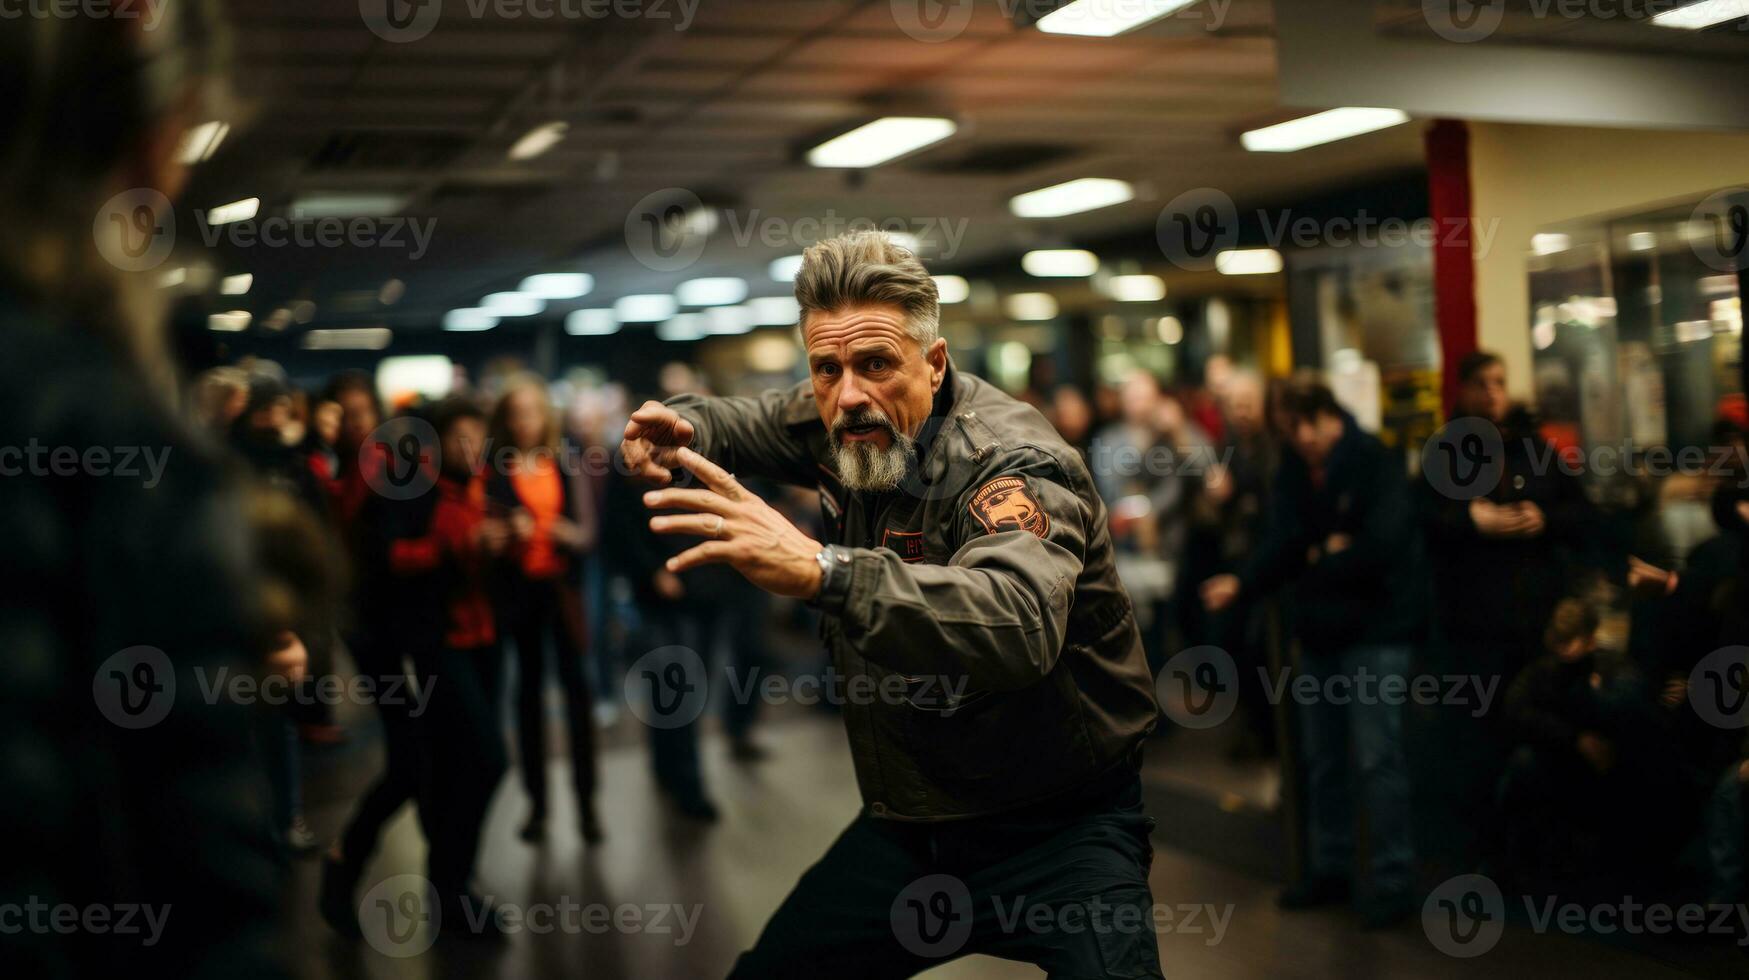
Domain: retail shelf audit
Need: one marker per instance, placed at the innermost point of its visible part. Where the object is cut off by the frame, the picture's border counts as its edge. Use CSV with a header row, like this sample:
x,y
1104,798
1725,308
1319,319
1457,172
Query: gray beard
x,y
863,466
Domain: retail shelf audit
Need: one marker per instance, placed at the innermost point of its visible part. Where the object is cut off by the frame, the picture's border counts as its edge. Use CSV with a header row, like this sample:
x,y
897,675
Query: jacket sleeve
x,y
997,613
1279,553
756,436
1382,533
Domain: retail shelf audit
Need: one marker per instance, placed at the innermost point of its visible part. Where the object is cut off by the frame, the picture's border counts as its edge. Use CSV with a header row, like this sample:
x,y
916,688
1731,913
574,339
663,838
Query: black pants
x,y
1066,890
543,609
468,757
406,769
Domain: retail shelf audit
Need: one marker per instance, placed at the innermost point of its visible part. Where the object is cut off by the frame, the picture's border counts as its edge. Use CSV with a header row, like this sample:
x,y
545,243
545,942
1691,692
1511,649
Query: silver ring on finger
x,y
717,529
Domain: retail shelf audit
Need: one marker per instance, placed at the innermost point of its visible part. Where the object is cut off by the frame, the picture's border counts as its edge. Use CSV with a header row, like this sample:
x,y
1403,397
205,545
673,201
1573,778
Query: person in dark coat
x,y
1341,530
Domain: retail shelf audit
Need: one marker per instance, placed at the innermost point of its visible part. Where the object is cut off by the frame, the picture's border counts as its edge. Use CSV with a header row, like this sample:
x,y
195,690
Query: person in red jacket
x,y
462,675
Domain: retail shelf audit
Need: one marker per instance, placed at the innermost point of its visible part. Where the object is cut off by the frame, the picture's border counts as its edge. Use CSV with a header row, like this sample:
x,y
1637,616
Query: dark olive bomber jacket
x,y
988,656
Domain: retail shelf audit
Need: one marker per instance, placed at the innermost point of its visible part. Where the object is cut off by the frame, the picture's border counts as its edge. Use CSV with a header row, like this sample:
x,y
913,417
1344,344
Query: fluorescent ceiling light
x,y
236,285
880,141
775,311
1548,243
431,375
952,289
471,318
728,320
1248,262
591,323
231,322
1106,18
1136,289
1699,16
785,269
349,338
711,291
1642,241
644,307
558,285
1060,262
539,140
175,277
512,304
235,211
1030,306
348,204
200,143
1071,197
1320,127
683,326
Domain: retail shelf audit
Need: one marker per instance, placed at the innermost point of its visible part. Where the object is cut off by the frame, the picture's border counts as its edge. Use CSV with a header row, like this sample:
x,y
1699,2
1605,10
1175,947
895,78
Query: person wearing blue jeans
x,y
1353,747
1341,531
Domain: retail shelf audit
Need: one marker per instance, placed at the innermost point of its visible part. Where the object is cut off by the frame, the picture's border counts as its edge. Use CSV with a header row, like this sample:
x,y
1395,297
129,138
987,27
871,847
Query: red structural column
x,y
1454,269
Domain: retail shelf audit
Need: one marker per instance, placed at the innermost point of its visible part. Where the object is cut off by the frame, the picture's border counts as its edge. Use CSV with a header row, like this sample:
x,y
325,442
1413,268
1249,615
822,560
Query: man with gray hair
x,y
995,692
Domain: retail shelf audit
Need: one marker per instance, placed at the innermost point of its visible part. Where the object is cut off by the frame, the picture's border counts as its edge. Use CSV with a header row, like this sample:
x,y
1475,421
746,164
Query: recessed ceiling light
x,y
1548,243
200,143
348,338
512,304
1248,262
1106,18
879,141
236,285
539,140
230,322
1030,306
591,323
711,291
1642,241
775,311
644,307
469,318
558,285
1169,330
1320,127
1699,16
1071,197
785,269
728,320
1136,289
347,204
952,289
1060,262
225,214
681,326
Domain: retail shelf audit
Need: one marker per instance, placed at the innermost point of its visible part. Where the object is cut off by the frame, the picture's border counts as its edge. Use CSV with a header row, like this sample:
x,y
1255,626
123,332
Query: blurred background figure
x,y
533,482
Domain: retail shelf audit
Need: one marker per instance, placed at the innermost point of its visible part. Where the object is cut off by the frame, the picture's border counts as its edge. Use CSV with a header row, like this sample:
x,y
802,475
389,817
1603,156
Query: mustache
x,y
866,416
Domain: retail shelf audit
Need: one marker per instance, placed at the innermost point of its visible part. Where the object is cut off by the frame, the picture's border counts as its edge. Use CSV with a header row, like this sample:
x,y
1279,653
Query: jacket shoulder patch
x,y
1005,504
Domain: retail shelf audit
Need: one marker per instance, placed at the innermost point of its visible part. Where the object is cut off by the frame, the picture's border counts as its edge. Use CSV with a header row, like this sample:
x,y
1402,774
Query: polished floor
x,y
778,815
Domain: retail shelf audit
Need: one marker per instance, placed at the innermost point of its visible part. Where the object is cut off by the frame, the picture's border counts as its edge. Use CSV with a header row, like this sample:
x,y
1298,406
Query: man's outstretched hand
x,y
743,531
652,435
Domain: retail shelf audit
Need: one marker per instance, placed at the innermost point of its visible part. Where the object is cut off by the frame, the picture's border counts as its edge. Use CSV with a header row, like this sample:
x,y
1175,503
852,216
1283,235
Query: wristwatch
x,y
835,569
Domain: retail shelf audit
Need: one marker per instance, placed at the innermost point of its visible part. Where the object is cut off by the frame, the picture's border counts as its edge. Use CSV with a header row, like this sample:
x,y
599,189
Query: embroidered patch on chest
x,y
908,544
1005,504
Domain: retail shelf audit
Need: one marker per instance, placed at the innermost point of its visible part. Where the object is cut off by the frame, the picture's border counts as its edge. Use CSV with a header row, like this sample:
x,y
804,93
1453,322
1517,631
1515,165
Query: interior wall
x,y
1524,178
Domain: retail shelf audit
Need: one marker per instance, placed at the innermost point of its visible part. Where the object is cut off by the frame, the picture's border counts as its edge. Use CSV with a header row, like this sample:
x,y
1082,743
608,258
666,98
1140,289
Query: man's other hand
x,y
652,435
